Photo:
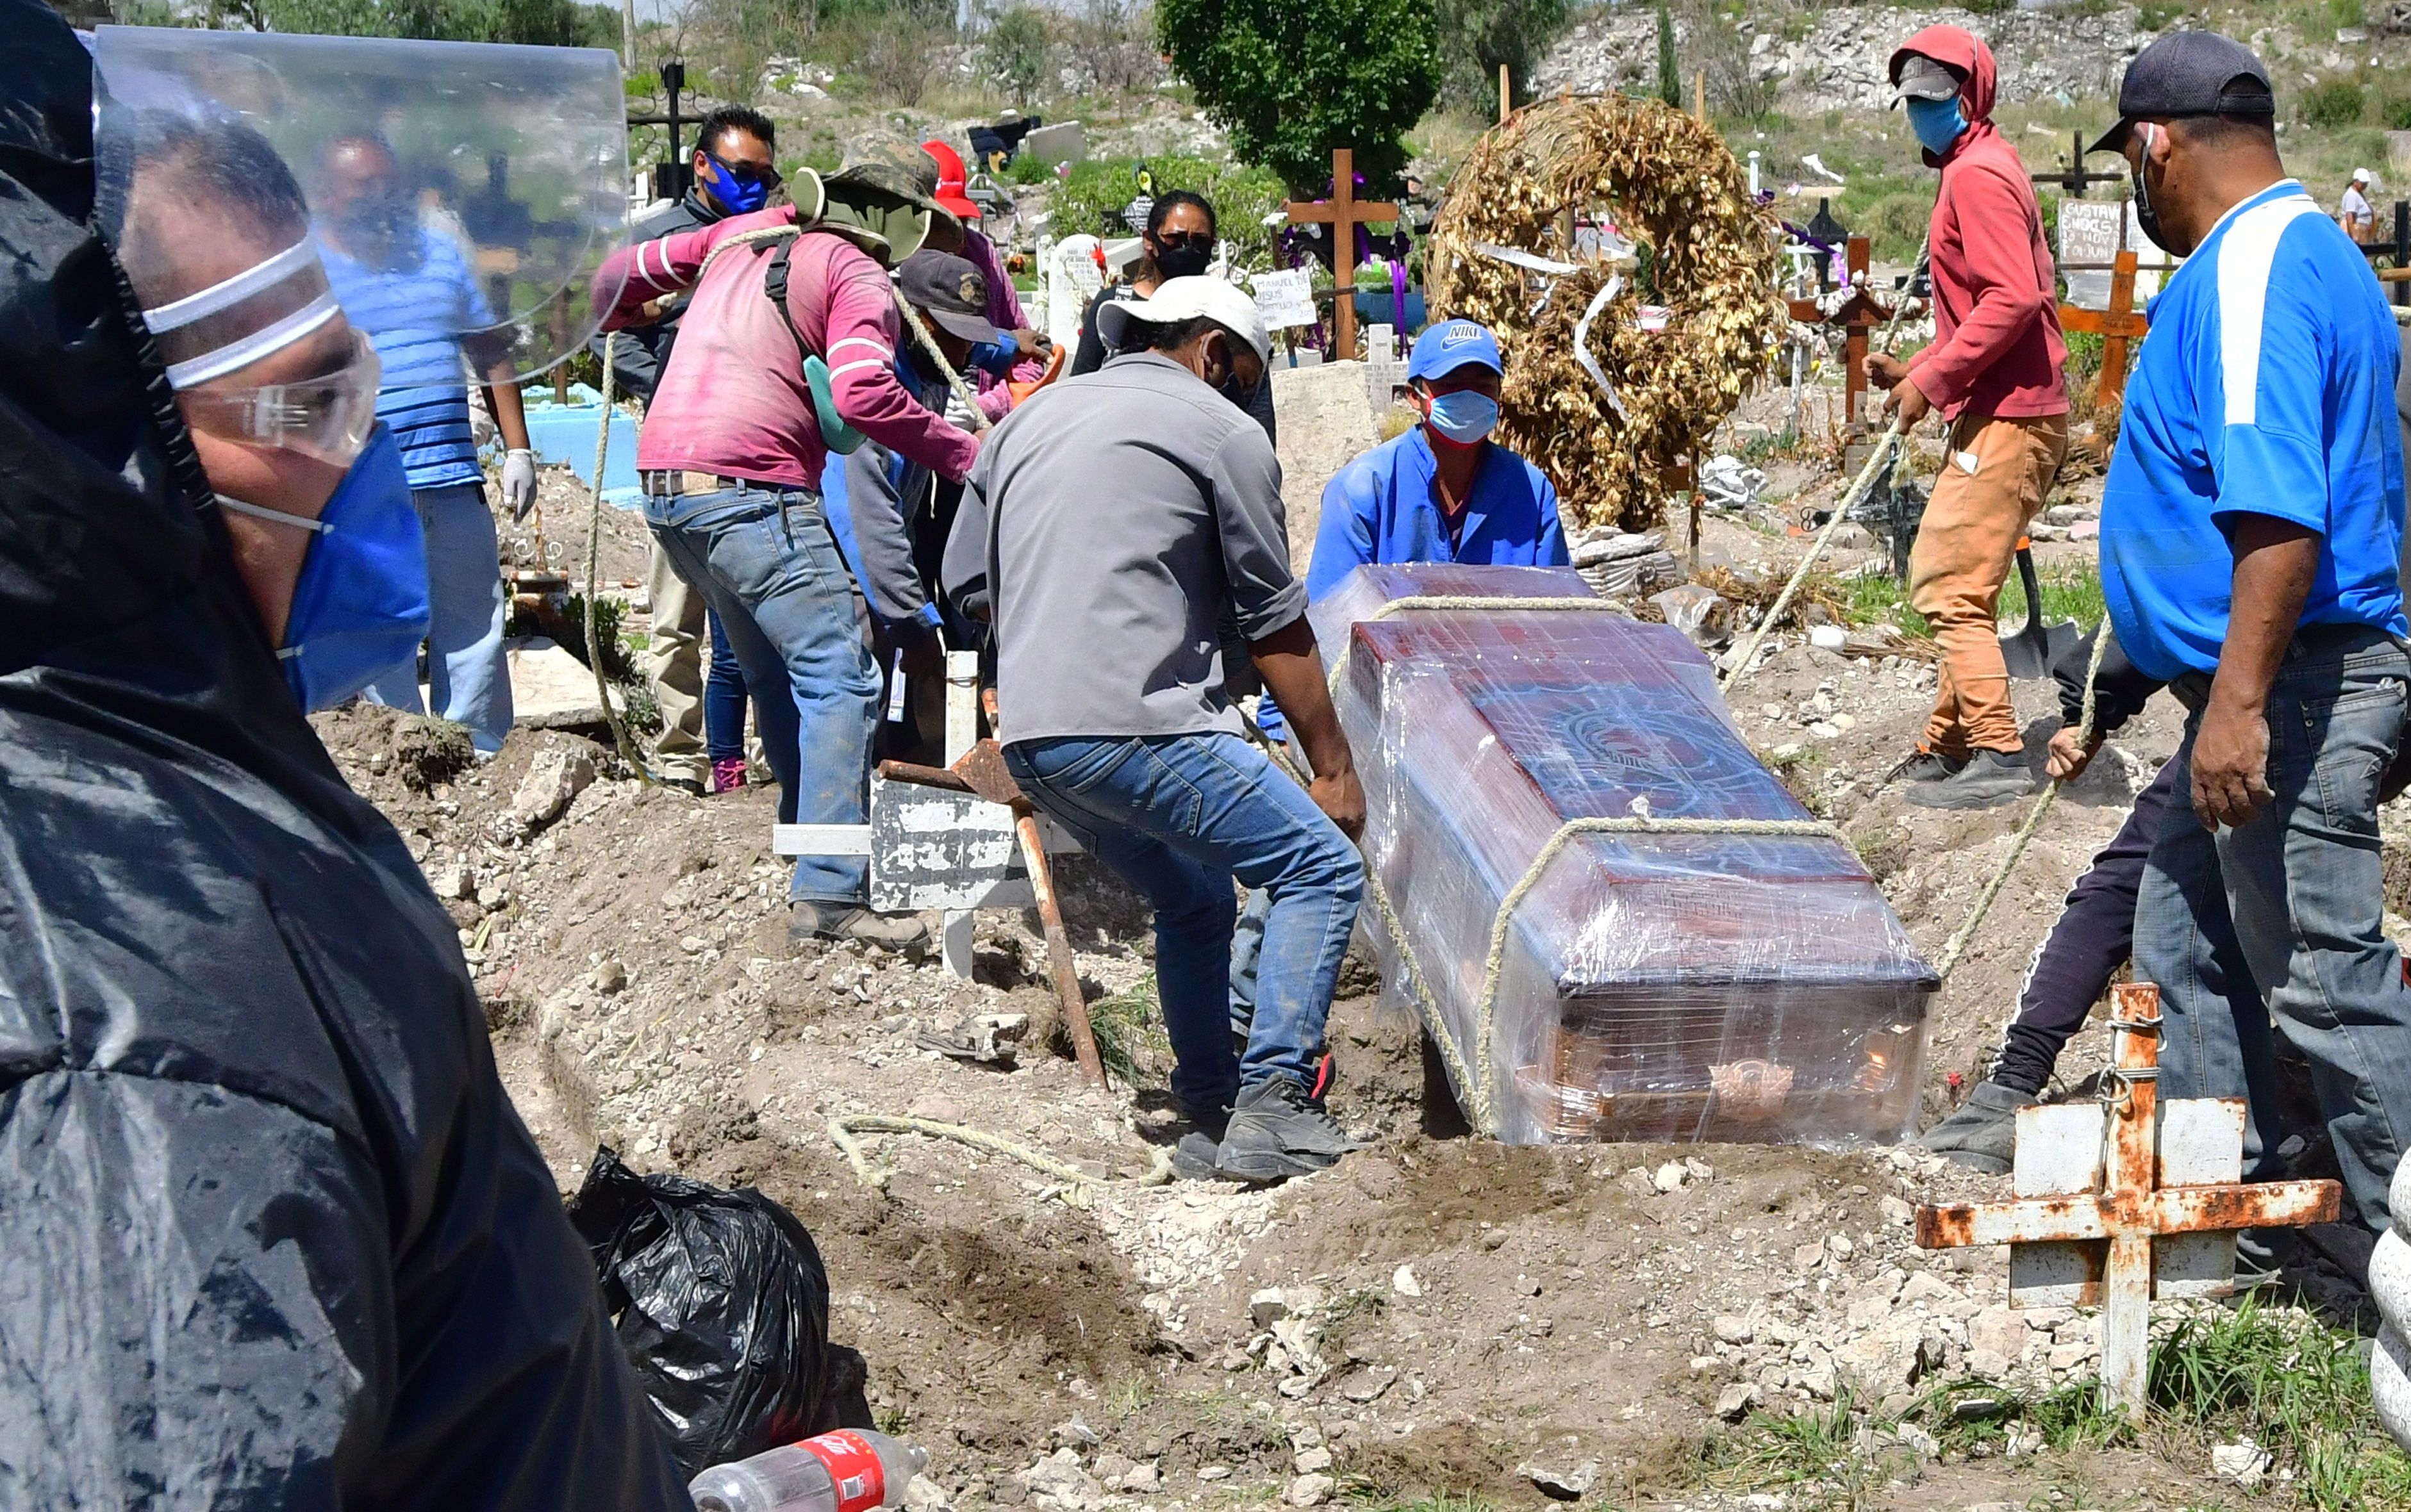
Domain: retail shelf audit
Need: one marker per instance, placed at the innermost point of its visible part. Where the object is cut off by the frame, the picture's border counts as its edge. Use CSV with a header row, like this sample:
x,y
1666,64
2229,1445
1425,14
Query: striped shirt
x,y
416,316
2265,388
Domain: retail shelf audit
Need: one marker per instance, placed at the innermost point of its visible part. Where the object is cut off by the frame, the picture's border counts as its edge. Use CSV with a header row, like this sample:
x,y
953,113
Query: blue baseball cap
x,y
1444,348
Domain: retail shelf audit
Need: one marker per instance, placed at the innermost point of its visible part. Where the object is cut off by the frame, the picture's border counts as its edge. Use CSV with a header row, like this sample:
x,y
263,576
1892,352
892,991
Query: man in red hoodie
x,y
1995,373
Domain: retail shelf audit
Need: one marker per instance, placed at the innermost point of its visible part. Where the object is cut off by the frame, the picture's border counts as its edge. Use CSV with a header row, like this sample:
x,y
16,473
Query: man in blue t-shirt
x,y
2250,534
409,285
1443,491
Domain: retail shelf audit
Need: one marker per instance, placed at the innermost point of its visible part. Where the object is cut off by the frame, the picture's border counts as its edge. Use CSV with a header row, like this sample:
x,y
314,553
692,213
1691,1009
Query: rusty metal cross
x,y
1343,212
2126,1199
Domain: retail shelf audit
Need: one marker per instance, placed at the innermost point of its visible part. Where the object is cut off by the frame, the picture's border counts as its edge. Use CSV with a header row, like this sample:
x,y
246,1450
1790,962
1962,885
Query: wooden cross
x,y
2115,1206
2116,326
1857,317
1343,212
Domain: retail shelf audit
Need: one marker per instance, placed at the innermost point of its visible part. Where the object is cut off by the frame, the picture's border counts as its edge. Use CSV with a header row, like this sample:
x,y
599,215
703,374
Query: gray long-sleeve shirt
x,y
1110,521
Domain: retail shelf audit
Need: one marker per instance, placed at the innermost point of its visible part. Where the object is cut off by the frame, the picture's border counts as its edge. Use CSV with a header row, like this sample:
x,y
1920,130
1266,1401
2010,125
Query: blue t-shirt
x,y
415,316
1379,509
2265,388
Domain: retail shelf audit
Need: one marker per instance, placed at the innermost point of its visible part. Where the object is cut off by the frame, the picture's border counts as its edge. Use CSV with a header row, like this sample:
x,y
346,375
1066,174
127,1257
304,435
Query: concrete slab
x,y
551,688
1325,423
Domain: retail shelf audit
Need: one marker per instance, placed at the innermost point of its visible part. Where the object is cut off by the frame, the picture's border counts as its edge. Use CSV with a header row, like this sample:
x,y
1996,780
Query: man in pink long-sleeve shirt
x,y
731,458
1995,373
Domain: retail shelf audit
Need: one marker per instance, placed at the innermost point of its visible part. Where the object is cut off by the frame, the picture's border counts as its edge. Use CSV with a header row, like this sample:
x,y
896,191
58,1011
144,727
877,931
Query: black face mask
x,y
1183,260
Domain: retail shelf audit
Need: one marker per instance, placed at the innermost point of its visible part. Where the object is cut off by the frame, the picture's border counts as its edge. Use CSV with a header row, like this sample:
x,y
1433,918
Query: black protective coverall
x,y
270,1234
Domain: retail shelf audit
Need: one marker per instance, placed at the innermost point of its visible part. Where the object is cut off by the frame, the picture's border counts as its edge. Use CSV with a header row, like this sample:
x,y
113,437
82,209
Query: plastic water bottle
x,y
851,1470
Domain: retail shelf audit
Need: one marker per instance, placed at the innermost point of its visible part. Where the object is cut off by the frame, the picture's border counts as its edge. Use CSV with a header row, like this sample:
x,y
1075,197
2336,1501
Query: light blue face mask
x,y
359,609
1936,122
1464,416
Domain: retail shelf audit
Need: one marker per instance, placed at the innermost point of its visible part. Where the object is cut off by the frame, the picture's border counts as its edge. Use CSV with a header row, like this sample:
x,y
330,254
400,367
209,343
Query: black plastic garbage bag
x,y
721,1304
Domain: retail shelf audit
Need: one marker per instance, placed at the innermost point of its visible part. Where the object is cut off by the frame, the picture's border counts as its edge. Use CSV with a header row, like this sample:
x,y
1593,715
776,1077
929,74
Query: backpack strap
x,y
836,434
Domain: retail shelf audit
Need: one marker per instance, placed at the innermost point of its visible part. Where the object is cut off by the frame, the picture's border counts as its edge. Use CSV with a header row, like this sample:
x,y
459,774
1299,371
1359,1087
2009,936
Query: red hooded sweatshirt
x,y
1996,345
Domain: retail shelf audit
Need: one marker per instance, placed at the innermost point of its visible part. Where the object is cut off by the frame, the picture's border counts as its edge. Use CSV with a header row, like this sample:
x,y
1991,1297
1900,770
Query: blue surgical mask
x,y
1936,122
359,609
1465,416
742,197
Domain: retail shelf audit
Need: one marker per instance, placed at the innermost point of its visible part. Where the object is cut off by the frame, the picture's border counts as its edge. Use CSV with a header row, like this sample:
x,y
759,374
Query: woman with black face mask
x,y
1178,243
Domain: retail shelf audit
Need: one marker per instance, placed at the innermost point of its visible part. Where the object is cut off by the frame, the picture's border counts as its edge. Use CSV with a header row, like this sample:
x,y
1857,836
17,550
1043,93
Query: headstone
x,y
1324,424
1382,374
1063,142
933,849
1072,277
1285,297
2088,234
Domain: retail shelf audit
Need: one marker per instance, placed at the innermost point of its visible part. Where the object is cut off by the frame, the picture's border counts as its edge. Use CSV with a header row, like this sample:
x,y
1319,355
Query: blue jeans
x,y
724,699
1178,816
468,675
766,563
2297,891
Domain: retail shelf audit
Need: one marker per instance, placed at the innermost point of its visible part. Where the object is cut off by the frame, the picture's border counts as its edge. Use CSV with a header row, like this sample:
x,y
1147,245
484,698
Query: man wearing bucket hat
x,y
1112,520
2251,531
732,457
1994,369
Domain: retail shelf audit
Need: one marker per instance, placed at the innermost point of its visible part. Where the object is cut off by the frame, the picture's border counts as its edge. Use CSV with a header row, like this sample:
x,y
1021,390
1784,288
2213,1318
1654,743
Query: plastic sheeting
x,y
1651,983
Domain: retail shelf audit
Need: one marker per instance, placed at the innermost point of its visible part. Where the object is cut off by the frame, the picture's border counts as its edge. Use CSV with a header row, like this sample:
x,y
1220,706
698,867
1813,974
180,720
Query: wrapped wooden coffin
x,y
1659,980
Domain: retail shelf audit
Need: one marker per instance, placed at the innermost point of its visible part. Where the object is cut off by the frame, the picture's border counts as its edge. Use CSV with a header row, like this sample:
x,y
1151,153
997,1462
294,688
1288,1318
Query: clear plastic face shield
x,y
307,218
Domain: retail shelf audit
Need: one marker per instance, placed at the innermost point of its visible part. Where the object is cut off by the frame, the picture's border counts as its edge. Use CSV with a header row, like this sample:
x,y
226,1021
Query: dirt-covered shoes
x,y
1983,1133
1276,1131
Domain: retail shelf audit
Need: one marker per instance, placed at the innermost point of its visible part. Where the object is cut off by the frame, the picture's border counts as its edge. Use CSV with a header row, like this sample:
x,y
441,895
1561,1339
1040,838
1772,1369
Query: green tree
x,y
1291,79
1018,47
1477,35
1670,73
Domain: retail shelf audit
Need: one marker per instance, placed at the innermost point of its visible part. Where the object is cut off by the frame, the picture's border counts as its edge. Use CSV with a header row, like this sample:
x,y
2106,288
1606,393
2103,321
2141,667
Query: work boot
x,y
1984,1132
1193,1158
691,786
1926,765
1990,779
810,921
1278,1131
727,773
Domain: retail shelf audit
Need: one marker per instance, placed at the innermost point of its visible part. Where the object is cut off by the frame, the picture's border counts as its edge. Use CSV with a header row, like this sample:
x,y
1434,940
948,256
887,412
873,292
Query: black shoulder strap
x,y
774,286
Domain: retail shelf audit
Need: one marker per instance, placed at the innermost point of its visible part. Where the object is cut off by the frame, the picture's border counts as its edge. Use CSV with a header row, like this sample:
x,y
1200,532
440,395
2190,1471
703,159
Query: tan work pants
x,y
1996,473
674,667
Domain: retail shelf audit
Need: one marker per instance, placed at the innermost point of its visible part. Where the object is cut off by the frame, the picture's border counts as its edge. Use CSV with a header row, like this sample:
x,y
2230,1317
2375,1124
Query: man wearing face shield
x,y
2251,533
1112,520
409,286
270,1234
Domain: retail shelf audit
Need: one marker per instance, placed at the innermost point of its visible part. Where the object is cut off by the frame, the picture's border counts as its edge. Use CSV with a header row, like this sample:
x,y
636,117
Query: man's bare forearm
x,y
1291,668
2275,561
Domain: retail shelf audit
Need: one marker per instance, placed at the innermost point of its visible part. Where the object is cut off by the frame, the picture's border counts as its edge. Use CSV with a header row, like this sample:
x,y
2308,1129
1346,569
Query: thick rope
x,y
1472,602
1888,452
1883,342
928,345
626,747
842,1131
1966,931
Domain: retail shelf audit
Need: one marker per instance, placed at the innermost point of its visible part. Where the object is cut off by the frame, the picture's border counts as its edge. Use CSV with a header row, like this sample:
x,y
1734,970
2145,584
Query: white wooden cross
x,y
2114,1206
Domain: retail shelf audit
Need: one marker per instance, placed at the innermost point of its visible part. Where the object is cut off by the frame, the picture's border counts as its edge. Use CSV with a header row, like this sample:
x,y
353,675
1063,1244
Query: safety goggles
x,y
328,417
745,173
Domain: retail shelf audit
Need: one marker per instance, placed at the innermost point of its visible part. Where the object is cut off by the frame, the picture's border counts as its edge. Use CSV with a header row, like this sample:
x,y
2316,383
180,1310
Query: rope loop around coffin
x,y
1479,1082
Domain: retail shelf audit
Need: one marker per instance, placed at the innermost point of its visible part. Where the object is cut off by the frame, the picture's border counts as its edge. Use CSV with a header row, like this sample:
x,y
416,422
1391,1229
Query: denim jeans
x,y
1178,816
2298,890
766,563
724,699
468,673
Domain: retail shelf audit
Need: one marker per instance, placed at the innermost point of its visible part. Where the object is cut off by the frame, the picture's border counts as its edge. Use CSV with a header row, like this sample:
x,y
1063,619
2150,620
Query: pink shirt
x,y
732,399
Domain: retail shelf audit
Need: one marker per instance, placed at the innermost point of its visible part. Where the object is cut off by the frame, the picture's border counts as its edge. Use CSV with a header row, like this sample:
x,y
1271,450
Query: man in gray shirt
x,y
1109,523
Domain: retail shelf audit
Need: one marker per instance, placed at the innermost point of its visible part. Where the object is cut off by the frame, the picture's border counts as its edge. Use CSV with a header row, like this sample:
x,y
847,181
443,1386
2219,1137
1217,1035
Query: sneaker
x,y
1990,779
809,920
1982,1132
727,773
1925,764
1278,1131
692,786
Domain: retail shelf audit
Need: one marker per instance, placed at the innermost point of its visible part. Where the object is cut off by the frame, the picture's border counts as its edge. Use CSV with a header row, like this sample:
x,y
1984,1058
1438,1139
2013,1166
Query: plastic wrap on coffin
x,y
1650,985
